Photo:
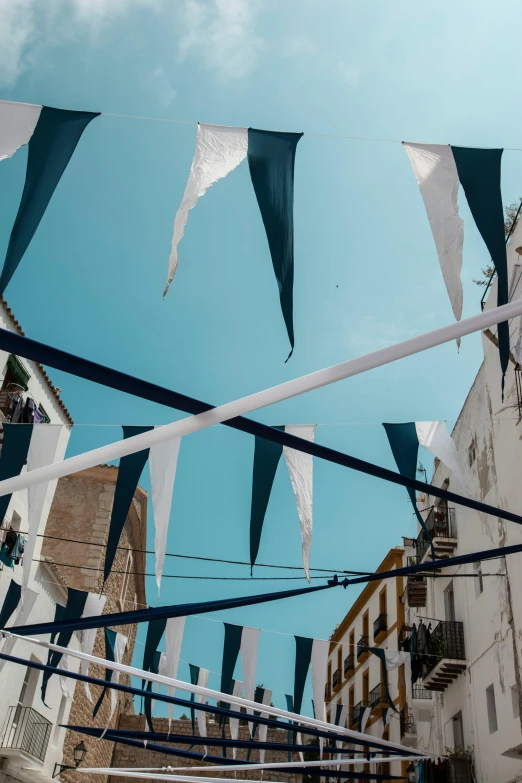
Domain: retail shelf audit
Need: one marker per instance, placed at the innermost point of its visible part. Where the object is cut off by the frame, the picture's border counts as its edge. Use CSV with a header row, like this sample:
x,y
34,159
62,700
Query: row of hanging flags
x,y
239,642
53,134
37,445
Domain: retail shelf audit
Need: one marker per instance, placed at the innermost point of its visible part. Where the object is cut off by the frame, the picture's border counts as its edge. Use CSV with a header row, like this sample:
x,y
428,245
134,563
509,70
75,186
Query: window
x,y
492,709
366,687
458,731
479,582
125,582
339,665
382,601
365,624
351,702
514,701
449,603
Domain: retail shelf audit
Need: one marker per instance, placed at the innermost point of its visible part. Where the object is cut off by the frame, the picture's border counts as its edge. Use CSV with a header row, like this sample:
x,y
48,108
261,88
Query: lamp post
x,y
79,753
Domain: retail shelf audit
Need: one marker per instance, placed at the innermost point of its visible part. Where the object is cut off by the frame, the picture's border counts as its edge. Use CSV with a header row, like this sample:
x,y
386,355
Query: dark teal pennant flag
x,y
51,146
382,656
271,160
15,448
338,711
479,173
231,647
154,668
72,611
266,459
110,644
11,601
405,448
194,678
155,631
303,656
129,473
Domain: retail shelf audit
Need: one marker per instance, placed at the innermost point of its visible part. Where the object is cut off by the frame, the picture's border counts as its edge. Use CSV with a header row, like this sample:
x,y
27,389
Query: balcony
x,y
380,627
336,679
421,693
25,730
358,710
446,658
362,648
440,523
408,728
377,696
349,664
416,590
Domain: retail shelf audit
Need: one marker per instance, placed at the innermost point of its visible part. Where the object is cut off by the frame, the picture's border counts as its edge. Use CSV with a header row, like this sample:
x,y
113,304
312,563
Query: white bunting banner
x,y
163,460
21,617
234,722
319,662
438,180
173,640
120,645
219,150
42,451
201,716
300,467
17,124
94,605
263,728
249,648
434,436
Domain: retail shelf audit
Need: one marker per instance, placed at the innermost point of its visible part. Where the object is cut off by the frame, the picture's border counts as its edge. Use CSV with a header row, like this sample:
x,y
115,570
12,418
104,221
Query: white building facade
x,y
30,735
469,674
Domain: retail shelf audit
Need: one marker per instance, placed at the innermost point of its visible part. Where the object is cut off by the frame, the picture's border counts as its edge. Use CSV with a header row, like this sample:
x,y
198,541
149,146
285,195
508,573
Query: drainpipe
x,y
516,657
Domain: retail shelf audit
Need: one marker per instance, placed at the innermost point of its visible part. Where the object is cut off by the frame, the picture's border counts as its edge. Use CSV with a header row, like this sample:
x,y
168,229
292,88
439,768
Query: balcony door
x,y
449,603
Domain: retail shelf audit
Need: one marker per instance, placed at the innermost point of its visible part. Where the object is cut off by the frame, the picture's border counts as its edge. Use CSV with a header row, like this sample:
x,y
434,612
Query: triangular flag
x,y
11,601
155,631
163,460
51,147
263,728
42,451
249,648
234,722
129,473
434,436
173,641
24,610
201,715
110,645
271,160
300,467
219,150
94,605
13,456
303,656
17,124
231,647
266,459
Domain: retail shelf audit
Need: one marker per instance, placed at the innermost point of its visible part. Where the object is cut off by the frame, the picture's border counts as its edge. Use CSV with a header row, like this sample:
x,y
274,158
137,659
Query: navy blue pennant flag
x,y
155,631
15,448
11,601
51,147
129,473
303,656
194,678
110,644
72,611
266,459
231,647
271,160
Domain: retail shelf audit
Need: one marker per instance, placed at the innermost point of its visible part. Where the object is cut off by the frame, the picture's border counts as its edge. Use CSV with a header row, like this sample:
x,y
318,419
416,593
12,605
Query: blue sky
x,y
366,271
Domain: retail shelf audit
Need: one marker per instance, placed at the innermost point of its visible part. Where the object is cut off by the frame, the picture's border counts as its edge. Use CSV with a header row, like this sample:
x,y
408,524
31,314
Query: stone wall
x,y
125,756
81,511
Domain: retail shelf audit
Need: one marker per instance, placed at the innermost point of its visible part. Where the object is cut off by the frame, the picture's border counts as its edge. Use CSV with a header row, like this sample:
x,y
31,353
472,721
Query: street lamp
x,y
79,754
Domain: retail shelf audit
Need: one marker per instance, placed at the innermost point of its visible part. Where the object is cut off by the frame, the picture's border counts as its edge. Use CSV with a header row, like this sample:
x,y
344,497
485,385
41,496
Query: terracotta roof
x,y
50,384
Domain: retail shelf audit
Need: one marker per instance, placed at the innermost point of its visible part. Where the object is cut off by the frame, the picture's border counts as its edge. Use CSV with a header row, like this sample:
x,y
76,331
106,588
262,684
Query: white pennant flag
x,y
17,124
437,176
434,436
119,651
173,640
249,648
22,615
163,460
234,722
219,150
300,467
201,716
94,605
263,728
42,451
319,661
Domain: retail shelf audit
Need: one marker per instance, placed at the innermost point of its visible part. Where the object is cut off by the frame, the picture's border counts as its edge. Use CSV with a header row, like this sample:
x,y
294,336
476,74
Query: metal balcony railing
x,y
407,722
362,647
27,730
357,711
349,663
377,696
380,625
336,679
446,641
440,523
421,693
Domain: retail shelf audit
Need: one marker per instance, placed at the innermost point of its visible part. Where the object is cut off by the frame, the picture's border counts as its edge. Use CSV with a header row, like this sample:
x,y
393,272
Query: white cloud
x,y
221,35
350,74
159,83
28,27
300,44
